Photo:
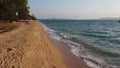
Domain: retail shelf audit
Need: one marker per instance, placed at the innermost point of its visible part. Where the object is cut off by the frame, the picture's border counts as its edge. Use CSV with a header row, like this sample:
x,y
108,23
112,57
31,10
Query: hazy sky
x,y
78,9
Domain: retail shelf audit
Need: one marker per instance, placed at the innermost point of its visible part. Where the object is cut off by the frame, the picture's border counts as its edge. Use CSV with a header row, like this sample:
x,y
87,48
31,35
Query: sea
x,y
97,42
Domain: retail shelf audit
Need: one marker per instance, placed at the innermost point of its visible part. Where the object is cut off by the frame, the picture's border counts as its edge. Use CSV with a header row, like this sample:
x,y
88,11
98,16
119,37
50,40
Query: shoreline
x,y
70,60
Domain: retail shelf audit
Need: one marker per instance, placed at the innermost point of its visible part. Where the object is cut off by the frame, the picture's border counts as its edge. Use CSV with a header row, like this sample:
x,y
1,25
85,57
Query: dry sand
x,y
28,47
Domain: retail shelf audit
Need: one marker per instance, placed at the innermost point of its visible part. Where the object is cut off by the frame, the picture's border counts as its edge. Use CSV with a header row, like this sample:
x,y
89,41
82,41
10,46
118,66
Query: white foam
x,y
51,33
92,64
64,36
46,28
79,51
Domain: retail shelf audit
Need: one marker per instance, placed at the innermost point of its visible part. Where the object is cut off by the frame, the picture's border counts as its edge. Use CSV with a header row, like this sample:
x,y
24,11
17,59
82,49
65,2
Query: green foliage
x,y
9,8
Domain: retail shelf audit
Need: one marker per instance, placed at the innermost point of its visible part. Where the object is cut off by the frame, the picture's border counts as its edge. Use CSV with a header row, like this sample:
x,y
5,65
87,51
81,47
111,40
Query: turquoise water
x,y
96,41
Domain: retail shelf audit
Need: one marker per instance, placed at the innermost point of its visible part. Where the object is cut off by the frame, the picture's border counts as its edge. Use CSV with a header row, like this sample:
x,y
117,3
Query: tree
x,y
9,8
22,9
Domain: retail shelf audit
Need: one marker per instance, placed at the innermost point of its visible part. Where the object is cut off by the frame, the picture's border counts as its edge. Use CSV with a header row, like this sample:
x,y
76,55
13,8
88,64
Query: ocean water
x,y
97,42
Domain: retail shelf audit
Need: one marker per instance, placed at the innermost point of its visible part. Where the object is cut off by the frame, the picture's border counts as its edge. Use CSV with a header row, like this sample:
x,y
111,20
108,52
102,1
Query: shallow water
x,y
97,42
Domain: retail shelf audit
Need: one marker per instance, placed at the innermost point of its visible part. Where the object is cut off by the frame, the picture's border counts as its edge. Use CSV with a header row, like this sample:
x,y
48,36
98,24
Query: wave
x,y
116,41
98,35
97,50
97,32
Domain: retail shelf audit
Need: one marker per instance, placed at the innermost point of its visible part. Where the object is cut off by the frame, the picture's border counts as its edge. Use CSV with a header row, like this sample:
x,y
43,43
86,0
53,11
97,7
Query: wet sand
x,y
70,60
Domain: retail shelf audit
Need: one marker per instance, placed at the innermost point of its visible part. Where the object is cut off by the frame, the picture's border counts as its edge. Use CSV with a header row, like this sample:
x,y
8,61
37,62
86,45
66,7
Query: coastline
x,y
89,44
69,59
28,47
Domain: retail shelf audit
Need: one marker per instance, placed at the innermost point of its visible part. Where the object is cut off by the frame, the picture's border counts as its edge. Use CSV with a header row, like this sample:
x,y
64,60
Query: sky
x,y
74,9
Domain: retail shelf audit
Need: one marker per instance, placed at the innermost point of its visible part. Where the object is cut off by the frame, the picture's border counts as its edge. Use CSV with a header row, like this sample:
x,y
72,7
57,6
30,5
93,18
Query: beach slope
x,y
28,47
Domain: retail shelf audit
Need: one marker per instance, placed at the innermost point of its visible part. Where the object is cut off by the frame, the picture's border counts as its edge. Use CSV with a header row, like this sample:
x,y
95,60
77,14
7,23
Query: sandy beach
x,y
59,34
28,47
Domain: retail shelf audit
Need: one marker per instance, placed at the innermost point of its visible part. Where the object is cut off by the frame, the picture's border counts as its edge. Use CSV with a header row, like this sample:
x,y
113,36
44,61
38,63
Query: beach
x,y
70,60
59,34
28,47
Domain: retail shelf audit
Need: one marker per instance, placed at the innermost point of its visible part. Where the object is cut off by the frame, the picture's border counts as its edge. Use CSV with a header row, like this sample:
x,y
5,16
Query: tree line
x,y
14,10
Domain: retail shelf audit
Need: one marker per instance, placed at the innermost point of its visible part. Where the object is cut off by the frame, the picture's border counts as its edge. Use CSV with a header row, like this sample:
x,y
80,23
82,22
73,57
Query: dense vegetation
x,y
14,10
